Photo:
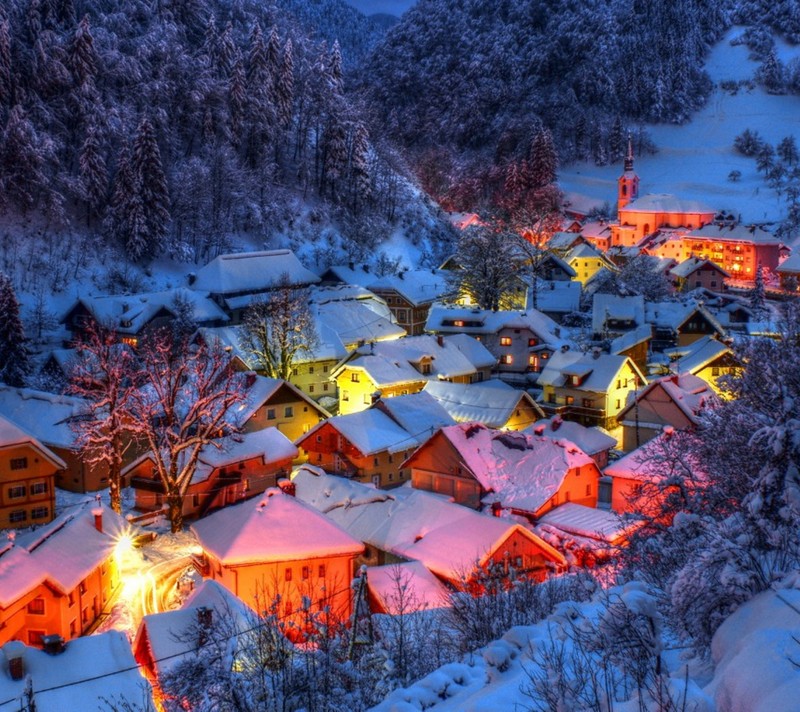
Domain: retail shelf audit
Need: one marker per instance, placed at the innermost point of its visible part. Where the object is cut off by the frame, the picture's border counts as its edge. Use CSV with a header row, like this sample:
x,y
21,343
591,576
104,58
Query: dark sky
x,y
393,7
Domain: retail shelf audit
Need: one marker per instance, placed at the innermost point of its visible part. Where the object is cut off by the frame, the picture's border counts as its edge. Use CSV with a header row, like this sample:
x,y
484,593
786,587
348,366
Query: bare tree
x,y
186,402
102,373
279,328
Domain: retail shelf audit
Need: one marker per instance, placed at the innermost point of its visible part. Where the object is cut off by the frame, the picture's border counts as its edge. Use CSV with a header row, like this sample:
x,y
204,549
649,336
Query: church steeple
x,y
628,182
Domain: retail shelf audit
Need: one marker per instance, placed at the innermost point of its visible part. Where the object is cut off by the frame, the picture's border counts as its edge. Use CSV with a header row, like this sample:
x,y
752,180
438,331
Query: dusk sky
x,y
392,7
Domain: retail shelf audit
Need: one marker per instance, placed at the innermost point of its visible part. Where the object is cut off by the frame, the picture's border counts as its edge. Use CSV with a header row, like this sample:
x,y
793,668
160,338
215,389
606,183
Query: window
x,y
311,369
458,322
311,388
426,369
39,488
19,515
270,413
506,359
325,368
19,463
374,461
345,396
324,386
322,570
71,598
306,572
588,490
619,383
587,403
355,377
713,282
36,607
73,628
367,399
569,400
85,615
715,371
619,404
39,513
16,492
505,341
82,587
287,575
533,342
288,411
35,637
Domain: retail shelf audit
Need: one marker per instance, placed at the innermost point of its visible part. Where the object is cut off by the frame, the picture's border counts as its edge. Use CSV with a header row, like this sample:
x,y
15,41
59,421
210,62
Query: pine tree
x,y
771,74
758,295
359,162
6,75
616,141
787,150
93,172
542,160
284,87
237,100
260,105
82,59
124,189
227,52
335,71
21,161
335,155
14,366
151,186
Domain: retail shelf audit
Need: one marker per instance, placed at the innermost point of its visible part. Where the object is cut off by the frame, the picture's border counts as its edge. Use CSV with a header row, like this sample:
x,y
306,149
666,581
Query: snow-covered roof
x,y
563,240
518,470
791,265
353,321
46,416
585,251
585,521
258,390
673,315
687,391
489,402
12,435
666,203
406,587
370,431
129,314
252,272
268,529
614,307
598,369
89,672
417,413
691,264
698,355
391,362
447,538
62,553
739,232
418,287
460,320
631,338
591,440
558,296
168,635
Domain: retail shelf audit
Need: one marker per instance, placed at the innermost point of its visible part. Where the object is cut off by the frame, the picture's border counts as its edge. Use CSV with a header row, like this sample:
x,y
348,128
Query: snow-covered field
x,y
694,160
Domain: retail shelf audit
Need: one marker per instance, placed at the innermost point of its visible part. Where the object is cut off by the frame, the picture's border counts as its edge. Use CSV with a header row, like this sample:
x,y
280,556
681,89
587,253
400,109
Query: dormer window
x,y
425,368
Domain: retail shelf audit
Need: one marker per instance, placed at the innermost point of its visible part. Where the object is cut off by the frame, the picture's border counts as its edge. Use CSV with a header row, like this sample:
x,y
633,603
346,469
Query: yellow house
x,y
586,261
591,388
706,358
404,366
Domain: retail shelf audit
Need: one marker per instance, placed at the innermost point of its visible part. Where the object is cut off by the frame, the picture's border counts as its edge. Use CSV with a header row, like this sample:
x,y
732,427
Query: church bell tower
x,y
628,182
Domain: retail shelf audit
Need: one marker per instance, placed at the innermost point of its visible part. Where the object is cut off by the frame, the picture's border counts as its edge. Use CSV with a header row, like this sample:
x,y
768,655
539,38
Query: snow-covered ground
x,y
694,159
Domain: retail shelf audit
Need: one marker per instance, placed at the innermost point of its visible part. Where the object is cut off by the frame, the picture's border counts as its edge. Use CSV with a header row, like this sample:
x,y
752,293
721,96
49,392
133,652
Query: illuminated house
x,y
591,388
57,579
130,315
586,260
789,273
737,249
371,445
595,442
453,542
706,358
698,273
27,478
393,368
277,550
234,469
524,474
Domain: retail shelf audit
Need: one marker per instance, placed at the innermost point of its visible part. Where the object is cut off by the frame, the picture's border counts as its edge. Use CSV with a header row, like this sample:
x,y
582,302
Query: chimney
x,y
14,652
53,644
440,339
98,519
287,486
496,509
556,423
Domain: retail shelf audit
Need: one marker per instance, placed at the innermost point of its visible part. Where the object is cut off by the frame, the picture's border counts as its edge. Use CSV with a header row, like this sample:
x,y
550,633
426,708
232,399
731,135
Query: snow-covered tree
x,y
758,295
22,161
488,268
284,86
360,167
102,373
542,161
82,59
186,401
14,365
279,328
6,74
151,186
93,172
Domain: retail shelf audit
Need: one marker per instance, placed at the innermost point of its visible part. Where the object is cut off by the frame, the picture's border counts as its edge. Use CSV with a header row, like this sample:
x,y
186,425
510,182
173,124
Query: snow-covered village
x,y
399,355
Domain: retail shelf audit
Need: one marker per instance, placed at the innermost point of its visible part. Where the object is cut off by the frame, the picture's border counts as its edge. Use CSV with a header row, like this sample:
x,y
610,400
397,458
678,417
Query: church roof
x,y
666,203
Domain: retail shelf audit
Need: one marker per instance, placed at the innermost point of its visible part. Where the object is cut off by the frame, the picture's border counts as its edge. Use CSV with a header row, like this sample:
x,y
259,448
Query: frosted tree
x,y
758,295
360,168
335,71
260,105
237,99
771,73
22,161
14,364
334,156
489,266
93,173
284,87
151,187
82,58
542,161
6,74
787,150
185,401
101,373
616,141
123,191
279,328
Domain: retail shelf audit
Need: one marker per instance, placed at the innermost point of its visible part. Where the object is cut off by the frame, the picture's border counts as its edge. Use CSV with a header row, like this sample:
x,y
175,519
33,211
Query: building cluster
x,y
418,438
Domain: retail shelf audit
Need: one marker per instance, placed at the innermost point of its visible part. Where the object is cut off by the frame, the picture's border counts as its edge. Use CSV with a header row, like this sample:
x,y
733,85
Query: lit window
x,y
306,572
505,341
287,575
322,570
458,322
533,342
506,359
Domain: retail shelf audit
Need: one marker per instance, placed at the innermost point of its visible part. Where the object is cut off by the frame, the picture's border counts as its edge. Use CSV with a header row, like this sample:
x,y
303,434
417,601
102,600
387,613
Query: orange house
x,y
277,552
523,473
227,472
57,579
27,478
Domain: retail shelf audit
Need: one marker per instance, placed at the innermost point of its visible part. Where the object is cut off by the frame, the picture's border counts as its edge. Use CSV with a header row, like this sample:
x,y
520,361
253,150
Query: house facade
x,y
57,580
27,478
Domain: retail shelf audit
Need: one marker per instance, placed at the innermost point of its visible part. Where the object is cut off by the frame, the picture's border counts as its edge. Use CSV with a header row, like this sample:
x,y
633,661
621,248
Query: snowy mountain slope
x,y
694,159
